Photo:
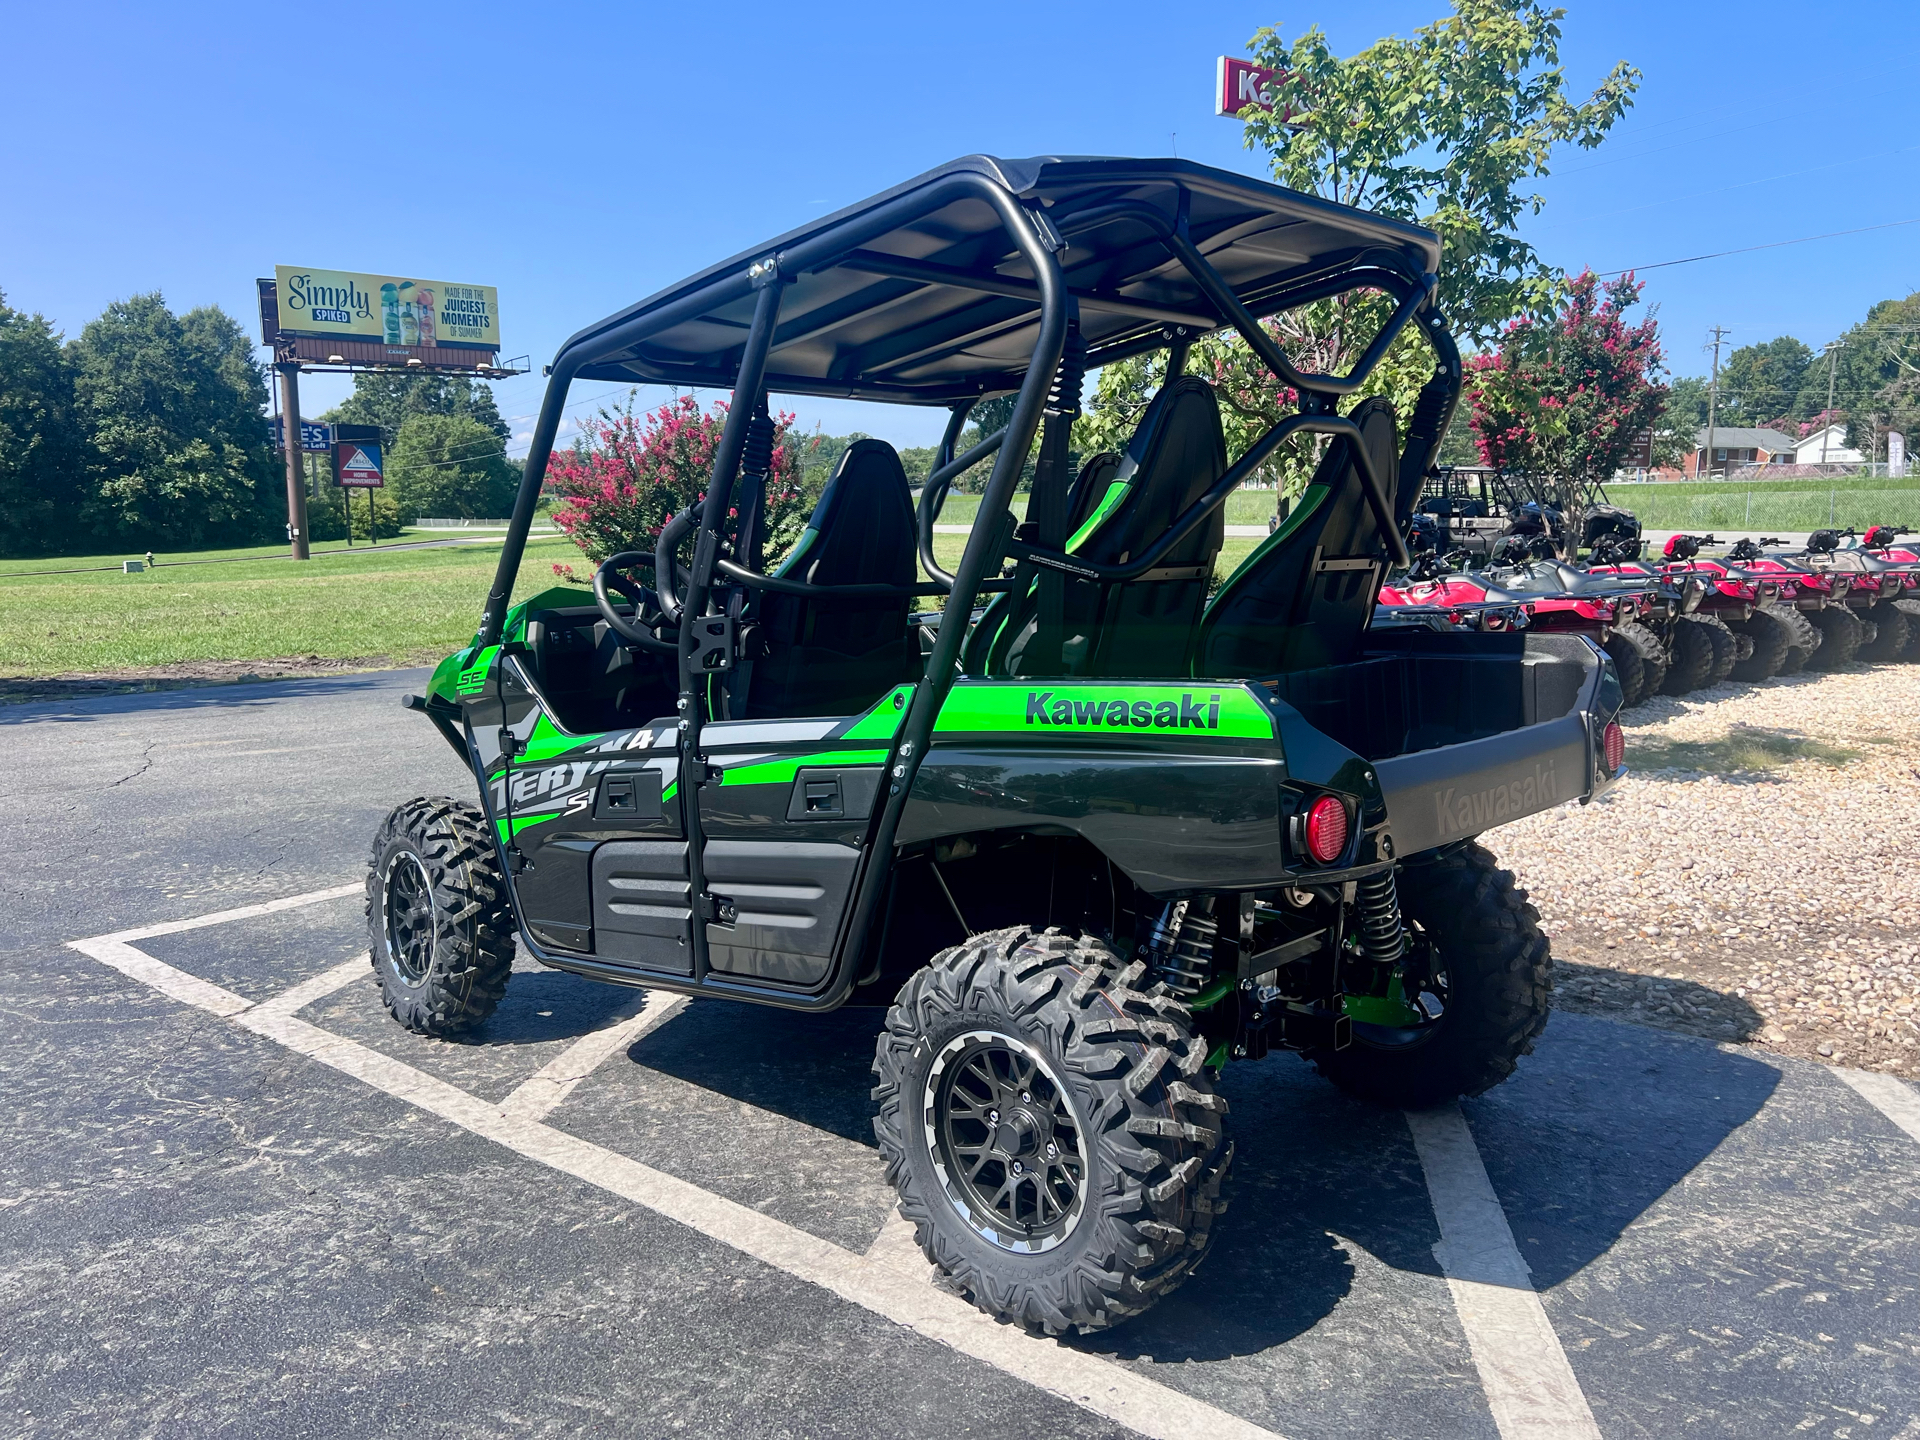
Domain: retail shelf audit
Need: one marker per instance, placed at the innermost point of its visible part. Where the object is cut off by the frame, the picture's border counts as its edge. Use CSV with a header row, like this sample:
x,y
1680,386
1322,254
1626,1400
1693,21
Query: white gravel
x,y
1775,906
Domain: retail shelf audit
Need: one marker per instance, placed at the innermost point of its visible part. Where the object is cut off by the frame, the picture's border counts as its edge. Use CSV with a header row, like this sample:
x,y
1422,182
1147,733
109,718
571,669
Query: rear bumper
x,y
1435,797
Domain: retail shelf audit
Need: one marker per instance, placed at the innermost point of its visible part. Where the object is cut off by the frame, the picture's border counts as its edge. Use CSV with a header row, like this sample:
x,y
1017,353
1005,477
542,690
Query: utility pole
x,y
1720,333
1826,430
296,458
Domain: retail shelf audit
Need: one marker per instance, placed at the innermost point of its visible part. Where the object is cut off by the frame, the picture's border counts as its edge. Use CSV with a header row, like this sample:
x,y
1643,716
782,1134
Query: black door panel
x,y
642,912
786,898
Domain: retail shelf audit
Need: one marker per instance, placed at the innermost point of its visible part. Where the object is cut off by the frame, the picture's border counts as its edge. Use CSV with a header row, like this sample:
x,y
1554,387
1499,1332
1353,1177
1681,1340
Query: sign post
x,y
296,480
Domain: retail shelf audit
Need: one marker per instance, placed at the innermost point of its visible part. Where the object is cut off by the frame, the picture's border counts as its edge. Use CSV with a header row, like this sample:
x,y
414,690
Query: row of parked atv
x,y
1753,610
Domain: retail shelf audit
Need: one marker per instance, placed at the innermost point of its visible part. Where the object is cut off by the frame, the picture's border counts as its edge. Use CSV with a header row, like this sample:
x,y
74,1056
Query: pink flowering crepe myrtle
x,y
630,473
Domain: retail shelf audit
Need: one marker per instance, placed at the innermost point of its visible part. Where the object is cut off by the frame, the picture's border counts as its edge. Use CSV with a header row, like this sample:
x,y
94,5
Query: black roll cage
x,y
990,542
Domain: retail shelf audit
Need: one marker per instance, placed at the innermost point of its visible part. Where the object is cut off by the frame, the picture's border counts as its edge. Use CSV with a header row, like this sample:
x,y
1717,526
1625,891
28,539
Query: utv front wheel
x,y
1473,1000
1051,1130
438,924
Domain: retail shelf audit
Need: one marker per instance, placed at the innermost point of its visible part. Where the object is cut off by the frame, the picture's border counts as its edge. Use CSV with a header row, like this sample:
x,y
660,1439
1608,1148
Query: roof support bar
x,y
531,476
903,269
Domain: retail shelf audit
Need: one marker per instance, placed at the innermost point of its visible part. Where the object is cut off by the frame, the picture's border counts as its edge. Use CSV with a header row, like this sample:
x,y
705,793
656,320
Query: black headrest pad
x,y
865,520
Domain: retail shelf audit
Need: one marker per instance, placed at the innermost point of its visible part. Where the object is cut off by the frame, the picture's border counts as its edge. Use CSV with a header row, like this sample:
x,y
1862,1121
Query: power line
x,y
1749,249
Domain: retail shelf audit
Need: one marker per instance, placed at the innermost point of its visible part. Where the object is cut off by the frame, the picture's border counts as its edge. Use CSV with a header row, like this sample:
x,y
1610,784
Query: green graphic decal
x,y
473,678
883,721
1032,708
1109,502
782,771
510,828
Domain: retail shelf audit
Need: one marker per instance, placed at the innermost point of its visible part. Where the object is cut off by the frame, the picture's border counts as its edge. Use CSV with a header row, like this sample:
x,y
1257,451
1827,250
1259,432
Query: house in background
x,y
1735,448
1834,437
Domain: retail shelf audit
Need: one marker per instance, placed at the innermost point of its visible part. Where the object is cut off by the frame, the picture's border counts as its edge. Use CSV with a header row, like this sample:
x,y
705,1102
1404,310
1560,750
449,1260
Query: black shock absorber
x,y
1180,945
755,461
1376,903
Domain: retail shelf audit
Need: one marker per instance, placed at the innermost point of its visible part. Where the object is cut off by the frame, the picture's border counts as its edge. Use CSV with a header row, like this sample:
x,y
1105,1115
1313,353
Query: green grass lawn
x,y
1737,507
405,604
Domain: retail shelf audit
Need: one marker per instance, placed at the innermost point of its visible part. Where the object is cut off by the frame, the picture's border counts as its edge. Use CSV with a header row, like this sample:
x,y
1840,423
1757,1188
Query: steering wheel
x,y
632,630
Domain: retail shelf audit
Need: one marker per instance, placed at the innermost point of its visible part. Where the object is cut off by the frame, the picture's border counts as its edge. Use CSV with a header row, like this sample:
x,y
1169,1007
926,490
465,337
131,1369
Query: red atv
x,y
1748,608
1829,634
1883,542
1620,611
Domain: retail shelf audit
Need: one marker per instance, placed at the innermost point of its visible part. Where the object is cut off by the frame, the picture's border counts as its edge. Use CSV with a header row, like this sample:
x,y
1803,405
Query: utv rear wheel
x,y
1051,1131
438,923
1692,650
1653,657
1772,638
1891,633
1840,637
1628,665
1480,1001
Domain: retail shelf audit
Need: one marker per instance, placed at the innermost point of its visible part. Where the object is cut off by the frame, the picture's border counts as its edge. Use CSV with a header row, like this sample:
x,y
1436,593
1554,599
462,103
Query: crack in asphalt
x,y
146,764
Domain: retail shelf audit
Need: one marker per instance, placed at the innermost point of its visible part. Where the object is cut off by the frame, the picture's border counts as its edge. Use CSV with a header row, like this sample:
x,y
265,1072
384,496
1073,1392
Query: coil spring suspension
x,y
756,457
1376,901
1180,945
1071,377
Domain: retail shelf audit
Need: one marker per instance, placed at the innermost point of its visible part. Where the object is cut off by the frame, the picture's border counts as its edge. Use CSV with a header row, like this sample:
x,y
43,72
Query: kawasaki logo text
x,y
1184,714
1475,810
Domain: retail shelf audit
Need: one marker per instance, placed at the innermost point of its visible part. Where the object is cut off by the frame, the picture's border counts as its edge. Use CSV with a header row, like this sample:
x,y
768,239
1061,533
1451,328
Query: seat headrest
x,y
862,529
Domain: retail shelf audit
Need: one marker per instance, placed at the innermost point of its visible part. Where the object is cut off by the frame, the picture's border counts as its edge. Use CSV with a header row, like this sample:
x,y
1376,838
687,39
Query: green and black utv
x,y
1090,833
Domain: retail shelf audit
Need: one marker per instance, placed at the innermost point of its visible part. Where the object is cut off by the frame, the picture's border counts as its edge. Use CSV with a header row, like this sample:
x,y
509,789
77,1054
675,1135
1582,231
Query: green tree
x,y
1760,383
41,456
1444,128
1876,375
172,407
449,466
388,398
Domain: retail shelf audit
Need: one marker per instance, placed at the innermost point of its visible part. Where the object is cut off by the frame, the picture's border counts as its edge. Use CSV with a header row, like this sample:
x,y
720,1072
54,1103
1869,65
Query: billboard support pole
x,y
296,457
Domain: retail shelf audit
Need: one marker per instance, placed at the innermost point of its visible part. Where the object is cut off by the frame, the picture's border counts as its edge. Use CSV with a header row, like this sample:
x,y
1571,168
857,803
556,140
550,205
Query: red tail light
x,y
1326,829
1615,742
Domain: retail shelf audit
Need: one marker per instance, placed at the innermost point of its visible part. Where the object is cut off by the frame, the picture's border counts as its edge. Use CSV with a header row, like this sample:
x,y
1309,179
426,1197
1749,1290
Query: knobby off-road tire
x,y
1841,634
1499,979
1806,639
1144,1124
1653,658
1628,665
438,923
1891,634
1910,609
1691,665
1726,649
1772,638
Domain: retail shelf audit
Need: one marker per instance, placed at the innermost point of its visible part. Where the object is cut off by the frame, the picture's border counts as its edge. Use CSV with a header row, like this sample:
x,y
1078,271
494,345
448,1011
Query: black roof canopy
x,y
919,295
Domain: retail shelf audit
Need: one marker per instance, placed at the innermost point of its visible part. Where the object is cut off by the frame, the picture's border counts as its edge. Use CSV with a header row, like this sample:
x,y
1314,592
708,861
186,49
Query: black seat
x,y
1119,507
835,655
1304,597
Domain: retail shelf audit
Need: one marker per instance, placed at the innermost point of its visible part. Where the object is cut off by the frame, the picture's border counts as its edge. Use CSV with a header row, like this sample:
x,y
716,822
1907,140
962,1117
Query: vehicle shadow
x,y
1687,1007
547,1005
1600,1123
816,1069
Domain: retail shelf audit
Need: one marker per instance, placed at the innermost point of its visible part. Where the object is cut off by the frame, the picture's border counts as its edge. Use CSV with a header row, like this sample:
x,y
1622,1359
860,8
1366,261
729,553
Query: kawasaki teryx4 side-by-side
x,y
1090,834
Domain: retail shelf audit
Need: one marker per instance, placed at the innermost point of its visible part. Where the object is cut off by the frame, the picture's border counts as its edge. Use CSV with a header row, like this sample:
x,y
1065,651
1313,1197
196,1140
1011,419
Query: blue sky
x,y
581,157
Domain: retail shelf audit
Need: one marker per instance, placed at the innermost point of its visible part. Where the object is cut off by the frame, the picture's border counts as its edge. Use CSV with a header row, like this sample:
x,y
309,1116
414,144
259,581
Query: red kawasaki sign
x,y
1240,83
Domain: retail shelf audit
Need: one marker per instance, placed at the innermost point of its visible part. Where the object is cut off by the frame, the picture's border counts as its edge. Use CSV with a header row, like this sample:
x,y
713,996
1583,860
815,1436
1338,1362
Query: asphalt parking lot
x,y
235,1199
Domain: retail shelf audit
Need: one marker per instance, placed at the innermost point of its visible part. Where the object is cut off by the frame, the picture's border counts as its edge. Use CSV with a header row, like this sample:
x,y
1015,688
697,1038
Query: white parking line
x,y
1892,1097
1530,1386
245,912
541,1093
1101,1386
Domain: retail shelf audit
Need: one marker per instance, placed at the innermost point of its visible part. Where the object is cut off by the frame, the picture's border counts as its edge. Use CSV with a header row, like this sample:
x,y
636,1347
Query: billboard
x,y
314,435
391,310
